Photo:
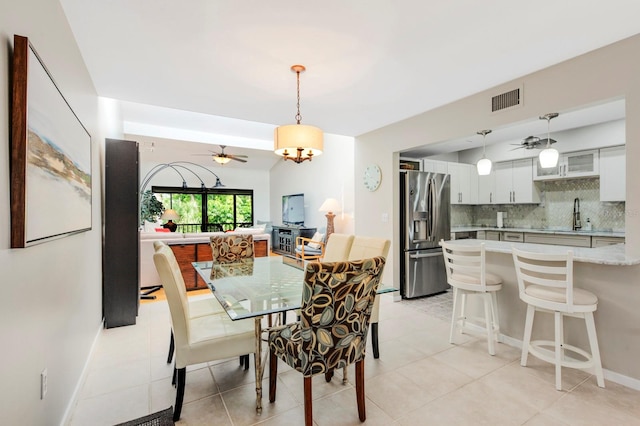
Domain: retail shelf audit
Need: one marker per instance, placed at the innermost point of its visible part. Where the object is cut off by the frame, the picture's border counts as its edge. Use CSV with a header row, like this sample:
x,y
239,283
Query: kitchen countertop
x,y
592,233
608,255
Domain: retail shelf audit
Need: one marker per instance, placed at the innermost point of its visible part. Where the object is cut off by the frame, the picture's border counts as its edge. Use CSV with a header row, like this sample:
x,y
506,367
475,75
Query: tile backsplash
x,y
555,210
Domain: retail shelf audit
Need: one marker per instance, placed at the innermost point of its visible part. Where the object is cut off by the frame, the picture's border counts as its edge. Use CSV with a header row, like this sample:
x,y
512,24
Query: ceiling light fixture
x,y
549,156
221,160
484,164
298,138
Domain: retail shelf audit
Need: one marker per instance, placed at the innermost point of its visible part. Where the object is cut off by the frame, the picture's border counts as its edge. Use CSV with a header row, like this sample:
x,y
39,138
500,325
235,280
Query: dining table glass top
x,y
260,286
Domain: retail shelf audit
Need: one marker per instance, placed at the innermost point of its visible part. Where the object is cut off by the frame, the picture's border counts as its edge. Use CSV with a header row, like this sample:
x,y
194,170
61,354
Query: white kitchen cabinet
x,y
487,188
514,182
570,165
613,174
606,241
464,183
435,166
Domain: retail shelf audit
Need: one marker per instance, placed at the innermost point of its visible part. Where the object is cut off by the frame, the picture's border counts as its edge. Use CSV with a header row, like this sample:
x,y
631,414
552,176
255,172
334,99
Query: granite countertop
x,y
608,255
593,233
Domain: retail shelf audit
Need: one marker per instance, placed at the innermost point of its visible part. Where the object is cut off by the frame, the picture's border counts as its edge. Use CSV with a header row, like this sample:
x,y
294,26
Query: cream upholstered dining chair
x,y
337,299
545,284
363,248
225,248
337,247
197,340
466,273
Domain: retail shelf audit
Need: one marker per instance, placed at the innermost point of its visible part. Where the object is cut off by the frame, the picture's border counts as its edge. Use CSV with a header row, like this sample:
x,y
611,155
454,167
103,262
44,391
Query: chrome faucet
x,y
576,214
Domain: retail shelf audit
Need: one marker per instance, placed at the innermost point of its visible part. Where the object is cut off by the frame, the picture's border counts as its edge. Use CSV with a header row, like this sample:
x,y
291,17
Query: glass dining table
x,y
258,288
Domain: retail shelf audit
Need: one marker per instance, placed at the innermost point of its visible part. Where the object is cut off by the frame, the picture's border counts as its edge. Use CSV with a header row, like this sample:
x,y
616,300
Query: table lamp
x,y
170,215
330,206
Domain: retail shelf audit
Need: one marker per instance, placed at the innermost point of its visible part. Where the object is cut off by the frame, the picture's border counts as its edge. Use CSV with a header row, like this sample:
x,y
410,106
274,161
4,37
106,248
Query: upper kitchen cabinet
x,y
514,183
464,183
435,166
612,174
570,165
487,188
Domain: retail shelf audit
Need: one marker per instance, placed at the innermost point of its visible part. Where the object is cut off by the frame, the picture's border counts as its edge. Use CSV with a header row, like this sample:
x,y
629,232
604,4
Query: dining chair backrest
x,y
366,247
551,270
231,248
337,247
465,265
175,290
337,298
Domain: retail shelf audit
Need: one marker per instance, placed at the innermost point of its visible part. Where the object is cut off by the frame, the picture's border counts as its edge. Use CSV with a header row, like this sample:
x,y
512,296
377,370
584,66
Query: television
x,y
293,209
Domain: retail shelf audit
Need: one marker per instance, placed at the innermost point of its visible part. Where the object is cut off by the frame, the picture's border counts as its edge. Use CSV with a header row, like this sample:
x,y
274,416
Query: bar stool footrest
x,y
538,348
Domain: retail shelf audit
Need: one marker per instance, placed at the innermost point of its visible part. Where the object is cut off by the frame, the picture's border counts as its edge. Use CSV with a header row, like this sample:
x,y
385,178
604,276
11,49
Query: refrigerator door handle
x,y
432,210
422,256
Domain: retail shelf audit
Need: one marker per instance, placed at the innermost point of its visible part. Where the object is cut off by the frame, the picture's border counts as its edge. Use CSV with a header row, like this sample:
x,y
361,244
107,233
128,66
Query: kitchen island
x,y
608,272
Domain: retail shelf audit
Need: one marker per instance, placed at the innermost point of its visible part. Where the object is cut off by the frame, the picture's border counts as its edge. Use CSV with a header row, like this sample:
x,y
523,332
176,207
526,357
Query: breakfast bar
x,y
608,272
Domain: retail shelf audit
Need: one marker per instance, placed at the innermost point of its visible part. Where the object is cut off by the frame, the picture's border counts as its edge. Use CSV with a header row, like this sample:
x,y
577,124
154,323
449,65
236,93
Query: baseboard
x,y
66,419
612,376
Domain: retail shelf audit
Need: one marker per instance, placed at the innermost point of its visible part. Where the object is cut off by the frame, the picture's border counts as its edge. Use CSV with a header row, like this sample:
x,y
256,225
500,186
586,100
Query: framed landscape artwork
x,y
50,156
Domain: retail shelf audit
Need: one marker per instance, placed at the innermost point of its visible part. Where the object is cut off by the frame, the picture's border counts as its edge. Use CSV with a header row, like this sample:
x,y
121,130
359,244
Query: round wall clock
x,y
372,177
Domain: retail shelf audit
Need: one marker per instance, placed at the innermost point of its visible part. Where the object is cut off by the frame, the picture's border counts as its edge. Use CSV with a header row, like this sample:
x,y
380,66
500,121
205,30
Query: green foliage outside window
x,y
227,210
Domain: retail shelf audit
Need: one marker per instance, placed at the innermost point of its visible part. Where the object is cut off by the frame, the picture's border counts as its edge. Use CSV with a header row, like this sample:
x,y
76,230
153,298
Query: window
x,y
206,209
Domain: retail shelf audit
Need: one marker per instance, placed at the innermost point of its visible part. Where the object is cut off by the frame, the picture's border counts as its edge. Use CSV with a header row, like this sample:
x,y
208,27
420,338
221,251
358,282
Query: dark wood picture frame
x,y
51,194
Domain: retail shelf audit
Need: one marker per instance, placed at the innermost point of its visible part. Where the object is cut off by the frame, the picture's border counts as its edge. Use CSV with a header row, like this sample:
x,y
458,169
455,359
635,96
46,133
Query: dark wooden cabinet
x,y
284,238
201,252
120,266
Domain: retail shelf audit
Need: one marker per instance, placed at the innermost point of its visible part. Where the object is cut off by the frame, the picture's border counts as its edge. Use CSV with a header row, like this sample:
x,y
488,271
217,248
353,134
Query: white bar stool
x,y
466,273
545,284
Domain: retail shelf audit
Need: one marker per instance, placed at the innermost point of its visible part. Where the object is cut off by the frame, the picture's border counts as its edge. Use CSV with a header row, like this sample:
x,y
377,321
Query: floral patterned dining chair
x,y
337,299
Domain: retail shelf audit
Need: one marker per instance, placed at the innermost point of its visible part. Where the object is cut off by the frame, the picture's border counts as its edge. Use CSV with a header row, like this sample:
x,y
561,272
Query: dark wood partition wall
x,y
120,266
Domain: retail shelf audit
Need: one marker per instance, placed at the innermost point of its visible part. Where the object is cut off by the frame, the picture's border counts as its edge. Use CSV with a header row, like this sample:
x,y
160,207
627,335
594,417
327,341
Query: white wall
x,y
329,175
51,304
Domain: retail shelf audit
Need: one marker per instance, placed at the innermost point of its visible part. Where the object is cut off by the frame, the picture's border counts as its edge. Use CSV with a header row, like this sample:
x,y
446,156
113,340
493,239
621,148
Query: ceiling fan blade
x,y
237,155
518,147
237,159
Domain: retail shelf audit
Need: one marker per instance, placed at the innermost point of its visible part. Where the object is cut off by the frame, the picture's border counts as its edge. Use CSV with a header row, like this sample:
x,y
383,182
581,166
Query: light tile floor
x,y
419,379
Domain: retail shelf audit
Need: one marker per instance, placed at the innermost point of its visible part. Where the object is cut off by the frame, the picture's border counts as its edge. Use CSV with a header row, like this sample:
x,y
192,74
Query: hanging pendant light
x,y
549,156
484,164
298,142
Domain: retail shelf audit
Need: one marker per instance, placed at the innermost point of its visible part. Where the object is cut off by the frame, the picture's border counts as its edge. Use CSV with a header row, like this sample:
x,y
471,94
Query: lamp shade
x,y
549,158
221,160
170,214
330,205
289,138
484,166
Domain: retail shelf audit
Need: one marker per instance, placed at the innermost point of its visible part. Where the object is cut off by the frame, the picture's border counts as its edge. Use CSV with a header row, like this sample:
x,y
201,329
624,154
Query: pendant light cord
x,y
298,116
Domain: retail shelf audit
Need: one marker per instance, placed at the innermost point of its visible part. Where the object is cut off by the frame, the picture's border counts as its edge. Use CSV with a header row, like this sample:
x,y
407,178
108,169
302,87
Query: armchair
x,y
309,249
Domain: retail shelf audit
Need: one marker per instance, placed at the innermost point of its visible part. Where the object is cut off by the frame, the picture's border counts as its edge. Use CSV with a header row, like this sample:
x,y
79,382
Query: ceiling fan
x,y
223,158
532,142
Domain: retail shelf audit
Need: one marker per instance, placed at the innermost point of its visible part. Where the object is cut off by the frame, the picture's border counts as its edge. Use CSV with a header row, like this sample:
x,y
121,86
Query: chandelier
x,y
298,142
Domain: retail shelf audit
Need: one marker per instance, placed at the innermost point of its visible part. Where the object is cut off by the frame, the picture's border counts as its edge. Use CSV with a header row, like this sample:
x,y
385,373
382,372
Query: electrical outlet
x,y
43,384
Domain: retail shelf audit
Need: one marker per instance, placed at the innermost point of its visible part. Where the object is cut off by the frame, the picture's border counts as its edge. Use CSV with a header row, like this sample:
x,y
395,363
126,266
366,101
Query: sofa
x,y
190,247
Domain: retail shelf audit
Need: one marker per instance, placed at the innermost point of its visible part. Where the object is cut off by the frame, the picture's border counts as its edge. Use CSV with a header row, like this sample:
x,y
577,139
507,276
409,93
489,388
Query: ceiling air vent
x,y
510,99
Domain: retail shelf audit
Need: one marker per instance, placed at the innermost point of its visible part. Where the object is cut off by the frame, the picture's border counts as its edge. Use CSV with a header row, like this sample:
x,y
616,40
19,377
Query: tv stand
x,y
284,238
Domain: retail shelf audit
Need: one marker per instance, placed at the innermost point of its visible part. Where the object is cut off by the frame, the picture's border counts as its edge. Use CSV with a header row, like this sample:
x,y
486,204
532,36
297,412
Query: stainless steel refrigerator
x,y
424,221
